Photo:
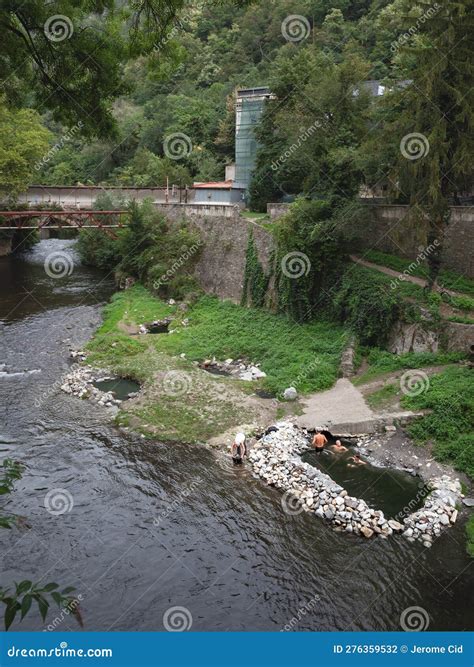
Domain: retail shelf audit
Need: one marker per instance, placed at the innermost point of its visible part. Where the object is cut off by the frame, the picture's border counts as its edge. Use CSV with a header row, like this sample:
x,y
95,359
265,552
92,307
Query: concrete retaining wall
x,y
391,229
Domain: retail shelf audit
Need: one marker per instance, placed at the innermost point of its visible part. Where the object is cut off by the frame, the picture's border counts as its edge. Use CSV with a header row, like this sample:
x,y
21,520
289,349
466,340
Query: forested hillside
x,y
186,85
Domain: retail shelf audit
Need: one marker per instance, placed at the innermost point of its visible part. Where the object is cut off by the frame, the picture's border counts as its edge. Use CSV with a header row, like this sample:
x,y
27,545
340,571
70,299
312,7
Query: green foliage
x,y
23,141
381,361
255,280
450,397
366,303
19,600
446,279
311,254
159,253
52,58
306,356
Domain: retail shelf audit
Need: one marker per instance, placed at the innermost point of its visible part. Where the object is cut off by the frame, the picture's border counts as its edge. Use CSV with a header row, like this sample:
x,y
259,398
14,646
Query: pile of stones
x,y
438,512
237,368
276,458
80,381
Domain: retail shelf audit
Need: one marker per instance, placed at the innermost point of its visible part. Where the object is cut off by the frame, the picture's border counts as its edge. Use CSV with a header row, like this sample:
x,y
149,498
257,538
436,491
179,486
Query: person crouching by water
x,y
319,440
338,447
239,449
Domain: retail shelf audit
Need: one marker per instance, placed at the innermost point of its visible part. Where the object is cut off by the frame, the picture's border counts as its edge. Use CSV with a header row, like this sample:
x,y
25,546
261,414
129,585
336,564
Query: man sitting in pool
x,y
319,440
338,447
356,461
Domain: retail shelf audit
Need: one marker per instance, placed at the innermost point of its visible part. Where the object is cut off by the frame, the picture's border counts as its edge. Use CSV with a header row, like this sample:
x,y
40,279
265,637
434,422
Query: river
x,y
156,526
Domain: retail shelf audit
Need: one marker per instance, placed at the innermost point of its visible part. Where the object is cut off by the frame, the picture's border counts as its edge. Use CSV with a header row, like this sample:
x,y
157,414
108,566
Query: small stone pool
x,y
121,388
395,492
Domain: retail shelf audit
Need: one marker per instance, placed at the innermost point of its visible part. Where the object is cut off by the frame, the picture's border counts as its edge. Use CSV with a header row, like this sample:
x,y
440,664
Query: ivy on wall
x,y
256,281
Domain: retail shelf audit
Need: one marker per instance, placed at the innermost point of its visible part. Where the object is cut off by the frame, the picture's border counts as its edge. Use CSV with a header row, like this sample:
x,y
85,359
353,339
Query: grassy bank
x,y
450,398
306,356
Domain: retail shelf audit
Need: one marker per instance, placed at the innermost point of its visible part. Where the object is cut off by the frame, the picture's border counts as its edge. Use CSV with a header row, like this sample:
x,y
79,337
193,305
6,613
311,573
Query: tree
x,y
24,141
70,52
429,125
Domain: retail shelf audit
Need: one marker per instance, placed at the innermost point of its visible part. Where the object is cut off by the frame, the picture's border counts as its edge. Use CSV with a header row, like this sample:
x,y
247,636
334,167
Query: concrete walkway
x,y
342,404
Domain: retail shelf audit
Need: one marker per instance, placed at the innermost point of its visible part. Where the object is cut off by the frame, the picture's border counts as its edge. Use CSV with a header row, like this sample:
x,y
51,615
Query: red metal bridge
x,y
79,219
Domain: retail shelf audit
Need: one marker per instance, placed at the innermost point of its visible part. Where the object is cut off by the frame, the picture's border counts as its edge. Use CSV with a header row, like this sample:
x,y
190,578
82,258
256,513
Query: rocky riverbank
x,y
276,458
80,382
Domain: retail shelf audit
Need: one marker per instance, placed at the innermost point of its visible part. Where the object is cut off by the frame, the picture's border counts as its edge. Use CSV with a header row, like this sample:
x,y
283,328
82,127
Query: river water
x,y
155,526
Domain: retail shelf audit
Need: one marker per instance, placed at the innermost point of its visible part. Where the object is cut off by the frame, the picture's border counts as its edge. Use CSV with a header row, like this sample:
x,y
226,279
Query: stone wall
x,y
220,268
389,228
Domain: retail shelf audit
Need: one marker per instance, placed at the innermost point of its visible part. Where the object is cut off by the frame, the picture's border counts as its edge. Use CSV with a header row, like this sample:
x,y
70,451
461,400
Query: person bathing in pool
x,y
356,461
338,447
319,440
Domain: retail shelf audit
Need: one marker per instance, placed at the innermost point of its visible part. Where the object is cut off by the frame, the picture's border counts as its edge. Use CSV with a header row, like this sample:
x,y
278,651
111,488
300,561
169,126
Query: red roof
x,y
215,185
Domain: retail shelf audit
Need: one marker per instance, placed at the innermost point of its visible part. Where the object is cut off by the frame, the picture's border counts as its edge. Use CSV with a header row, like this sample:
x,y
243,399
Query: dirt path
x,y
396,274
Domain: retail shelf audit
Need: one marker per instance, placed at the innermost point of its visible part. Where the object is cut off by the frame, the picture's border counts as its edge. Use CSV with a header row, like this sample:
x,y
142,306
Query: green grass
x,y
384,396
381,362
447,279
255,215
306,356
470,536
450,398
